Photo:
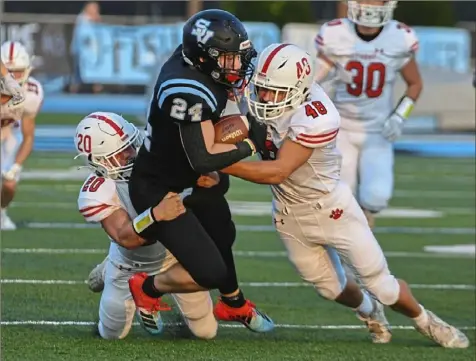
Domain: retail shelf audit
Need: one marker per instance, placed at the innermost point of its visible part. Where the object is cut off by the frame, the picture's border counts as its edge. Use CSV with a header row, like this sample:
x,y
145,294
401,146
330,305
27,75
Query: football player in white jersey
x,y
363,54
17,123
109,143
317,217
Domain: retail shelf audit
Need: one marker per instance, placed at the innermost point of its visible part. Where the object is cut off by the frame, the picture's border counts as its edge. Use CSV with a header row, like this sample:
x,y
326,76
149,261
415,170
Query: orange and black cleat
x,y
248,315
148,308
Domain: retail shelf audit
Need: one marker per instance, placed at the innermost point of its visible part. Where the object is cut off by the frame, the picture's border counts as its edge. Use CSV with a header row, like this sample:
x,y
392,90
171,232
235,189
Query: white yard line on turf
x,y
285,326
268,228
265,209
265,254
459,287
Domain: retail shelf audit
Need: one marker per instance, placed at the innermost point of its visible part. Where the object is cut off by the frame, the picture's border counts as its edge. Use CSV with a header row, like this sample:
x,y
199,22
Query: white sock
x,y
422,319
367,305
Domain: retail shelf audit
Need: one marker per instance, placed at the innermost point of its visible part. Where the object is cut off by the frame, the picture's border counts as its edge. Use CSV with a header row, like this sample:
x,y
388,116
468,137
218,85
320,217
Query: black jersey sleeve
x,y
198,156
186,101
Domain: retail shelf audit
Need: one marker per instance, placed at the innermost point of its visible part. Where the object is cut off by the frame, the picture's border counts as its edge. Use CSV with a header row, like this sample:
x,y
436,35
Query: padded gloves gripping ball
x,y
231,129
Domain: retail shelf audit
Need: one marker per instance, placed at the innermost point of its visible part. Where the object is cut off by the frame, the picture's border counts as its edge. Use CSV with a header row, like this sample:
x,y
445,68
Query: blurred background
x,y
87,51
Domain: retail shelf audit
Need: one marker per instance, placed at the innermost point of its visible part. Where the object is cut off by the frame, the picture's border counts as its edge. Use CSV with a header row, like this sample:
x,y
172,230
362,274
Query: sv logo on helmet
x,y
201,31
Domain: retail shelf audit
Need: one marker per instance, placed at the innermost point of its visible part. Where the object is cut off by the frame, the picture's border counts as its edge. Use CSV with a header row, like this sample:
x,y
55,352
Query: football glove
x,y
12,173
393,126
257,133
11,86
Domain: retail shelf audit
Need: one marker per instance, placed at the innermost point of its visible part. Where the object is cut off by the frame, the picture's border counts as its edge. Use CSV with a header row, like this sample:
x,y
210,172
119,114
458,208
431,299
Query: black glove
x,y
258,133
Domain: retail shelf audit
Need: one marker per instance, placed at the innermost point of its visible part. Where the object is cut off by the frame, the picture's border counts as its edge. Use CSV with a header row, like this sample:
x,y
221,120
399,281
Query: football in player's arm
x,y
295,150
197,130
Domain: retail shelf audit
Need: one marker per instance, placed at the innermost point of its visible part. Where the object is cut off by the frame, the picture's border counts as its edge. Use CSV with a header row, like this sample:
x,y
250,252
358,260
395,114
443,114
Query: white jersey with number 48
x,y
314,124
99,197
367,101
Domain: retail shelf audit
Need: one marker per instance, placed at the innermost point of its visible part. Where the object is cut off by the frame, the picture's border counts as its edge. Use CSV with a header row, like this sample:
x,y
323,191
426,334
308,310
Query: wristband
x,y
143,221
404,107
251,144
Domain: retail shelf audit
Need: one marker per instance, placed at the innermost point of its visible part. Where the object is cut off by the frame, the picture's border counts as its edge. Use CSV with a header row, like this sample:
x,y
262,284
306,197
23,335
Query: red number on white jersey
x,y
374,75
315,109
93,184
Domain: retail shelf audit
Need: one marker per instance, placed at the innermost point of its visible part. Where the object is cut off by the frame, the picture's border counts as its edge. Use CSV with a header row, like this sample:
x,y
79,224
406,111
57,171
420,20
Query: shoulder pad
x,y
316,123
98,198
187,100
404,38
34,97
334,38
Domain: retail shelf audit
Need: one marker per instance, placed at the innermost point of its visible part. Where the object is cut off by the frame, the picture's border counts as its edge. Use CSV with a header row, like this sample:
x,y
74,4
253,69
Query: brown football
x,y
231,129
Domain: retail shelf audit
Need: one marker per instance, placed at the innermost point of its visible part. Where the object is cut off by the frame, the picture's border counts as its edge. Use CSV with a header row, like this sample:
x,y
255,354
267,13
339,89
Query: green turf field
x,y
69,119
44,265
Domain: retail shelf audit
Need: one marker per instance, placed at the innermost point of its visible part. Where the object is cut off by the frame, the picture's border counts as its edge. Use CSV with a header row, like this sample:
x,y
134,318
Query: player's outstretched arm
x,y
291,156
121,228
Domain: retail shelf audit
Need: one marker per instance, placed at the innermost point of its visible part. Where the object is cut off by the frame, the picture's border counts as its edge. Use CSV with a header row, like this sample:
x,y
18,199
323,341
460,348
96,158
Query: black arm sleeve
x,y
202,161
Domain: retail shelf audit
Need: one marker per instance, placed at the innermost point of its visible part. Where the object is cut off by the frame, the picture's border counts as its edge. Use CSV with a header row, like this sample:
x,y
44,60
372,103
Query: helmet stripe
x,y
12,51
108,122
271,57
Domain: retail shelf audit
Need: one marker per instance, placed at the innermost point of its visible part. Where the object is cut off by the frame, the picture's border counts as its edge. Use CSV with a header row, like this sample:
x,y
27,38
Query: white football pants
x,y
12,138
317,235
117,308
367,167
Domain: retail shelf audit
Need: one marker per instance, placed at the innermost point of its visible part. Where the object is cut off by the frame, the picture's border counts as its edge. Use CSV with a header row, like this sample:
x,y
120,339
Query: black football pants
x,y
186,237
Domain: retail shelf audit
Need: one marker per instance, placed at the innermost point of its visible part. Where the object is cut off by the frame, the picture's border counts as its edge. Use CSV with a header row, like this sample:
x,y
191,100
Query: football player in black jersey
x,y
188,99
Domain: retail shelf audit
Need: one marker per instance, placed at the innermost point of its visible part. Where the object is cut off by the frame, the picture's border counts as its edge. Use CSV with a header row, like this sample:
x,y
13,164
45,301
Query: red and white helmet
x,y
16,60
109,142
286,69
371,13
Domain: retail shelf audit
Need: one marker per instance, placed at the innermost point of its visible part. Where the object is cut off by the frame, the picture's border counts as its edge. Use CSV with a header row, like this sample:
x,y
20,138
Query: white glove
x,y
393,126
12,173
11,86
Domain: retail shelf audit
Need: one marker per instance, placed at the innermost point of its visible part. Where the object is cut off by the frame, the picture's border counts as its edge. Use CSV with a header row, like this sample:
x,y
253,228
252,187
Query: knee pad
x,y
386,289
329,290
115,320
205,328
375,199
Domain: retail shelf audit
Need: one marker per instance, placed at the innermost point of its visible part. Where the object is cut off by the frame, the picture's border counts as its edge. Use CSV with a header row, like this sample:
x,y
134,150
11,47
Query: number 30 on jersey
x,y
368,79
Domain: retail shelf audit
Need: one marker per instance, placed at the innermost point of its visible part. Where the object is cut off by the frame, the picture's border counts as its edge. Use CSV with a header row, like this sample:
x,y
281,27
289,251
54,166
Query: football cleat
x,y
248,315
6,223
150,321
377,324
443,333
148,308
96,276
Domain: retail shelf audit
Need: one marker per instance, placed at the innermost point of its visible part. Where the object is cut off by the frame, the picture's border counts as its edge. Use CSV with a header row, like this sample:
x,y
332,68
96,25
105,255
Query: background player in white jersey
x,y
18,125
109,143
364,55
316,215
